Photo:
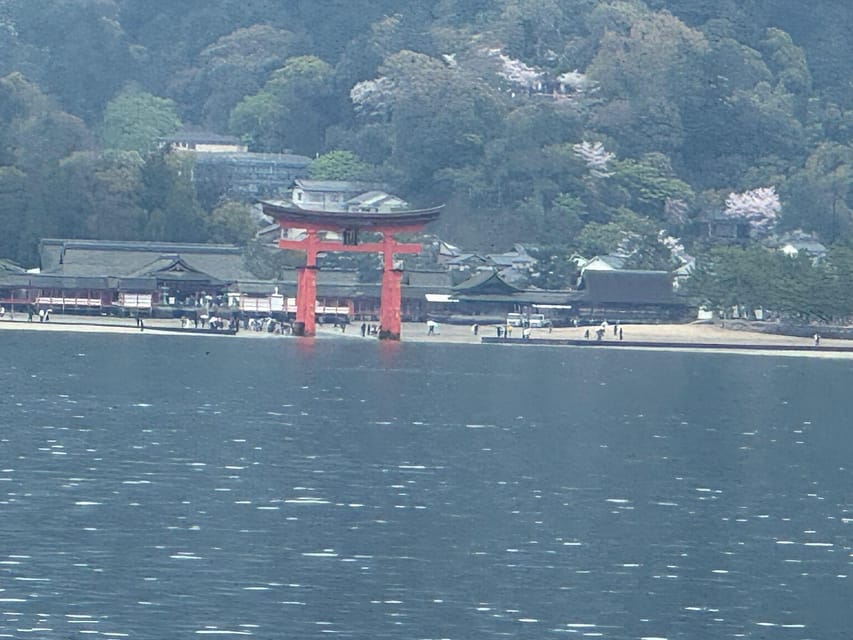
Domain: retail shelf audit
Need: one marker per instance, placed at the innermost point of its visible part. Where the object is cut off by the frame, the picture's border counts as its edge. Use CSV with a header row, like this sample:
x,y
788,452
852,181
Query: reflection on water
x,y
173,487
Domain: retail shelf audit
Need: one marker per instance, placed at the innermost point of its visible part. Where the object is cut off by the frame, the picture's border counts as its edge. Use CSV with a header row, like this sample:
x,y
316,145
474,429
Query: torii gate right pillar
x,y
306,287
306,299
389,310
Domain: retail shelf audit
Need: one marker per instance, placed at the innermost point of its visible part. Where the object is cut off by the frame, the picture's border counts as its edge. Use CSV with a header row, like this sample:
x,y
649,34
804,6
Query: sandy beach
x,y
691,333
684,335
662,335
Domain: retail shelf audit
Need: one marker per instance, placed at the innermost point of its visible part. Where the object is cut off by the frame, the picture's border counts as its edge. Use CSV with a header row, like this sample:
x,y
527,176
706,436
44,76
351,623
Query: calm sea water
x,y
172,487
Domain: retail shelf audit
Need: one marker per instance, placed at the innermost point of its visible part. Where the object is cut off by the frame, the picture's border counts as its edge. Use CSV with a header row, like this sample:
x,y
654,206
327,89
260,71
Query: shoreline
x,y
692,336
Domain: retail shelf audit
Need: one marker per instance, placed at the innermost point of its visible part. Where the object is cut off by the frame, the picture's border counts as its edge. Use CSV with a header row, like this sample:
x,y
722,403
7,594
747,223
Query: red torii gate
x,y
348,224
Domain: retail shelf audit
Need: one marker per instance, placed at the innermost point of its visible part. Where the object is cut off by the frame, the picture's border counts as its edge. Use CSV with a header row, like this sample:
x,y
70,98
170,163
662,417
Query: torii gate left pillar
x,y
391,296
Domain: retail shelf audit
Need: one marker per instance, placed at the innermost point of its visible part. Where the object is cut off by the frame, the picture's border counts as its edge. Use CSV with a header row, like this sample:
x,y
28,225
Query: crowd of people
x,y
220,323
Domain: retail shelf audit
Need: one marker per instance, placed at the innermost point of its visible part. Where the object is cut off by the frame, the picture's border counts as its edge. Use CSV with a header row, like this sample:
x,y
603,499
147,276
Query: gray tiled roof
x,y
522,297
337,277
108,258
625,286
57,281
439,281
7,266
201,137
369,195
137,266
334,186
486,282
616,262
251,158
465,258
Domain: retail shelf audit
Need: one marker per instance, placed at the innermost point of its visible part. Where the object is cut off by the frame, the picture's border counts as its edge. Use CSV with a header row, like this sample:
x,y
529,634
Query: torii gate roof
x,y
338,220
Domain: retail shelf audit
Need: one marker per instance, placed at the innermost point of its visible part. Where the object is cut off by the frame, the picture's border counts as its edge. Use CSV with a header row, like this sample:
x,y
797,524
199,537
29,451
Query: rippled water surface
x,y
172,487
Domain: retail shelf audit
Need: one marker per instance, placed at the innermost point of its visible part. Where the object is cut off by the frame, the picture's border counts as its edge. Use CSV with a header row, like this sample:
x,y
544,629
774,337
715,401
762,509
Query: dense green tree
x,y
819,196
532,29
169,39
292,111
714,153
788,63
169,199
454,113
34,131
451,100
134,120
644,75
16,55
234,66
232,223
34,136
756,278
13,204
651,184
88,54
627,234
339,165
101,195
533,154
572,213
554,268
366,52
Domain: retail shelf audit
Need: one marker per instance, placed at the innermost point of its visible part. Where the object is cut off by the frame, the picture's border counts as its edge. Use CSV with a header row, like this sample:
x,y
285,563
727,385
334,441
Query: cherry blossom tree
x,y
576,82
595,156
373,98
760,207
519,73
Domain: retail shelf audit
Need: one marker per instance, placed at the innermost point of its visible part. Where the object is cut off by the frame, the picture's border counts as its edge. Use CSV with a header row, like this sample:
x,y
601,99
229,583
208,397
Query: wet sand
x,y
689,336
664,335
94,324
691,333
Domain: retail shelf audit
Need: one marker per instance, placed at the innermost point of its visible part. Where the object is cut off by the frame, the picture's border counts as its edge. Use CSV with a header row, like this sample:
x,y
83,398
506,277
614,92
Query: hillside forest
x,y
578,126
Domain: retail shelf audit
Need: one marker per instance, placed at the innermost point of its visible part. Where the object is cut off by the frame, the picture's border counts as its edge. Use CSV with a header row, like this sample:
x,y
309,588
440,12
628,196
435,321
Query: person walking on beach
x,y
620,333
817,339
500,331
